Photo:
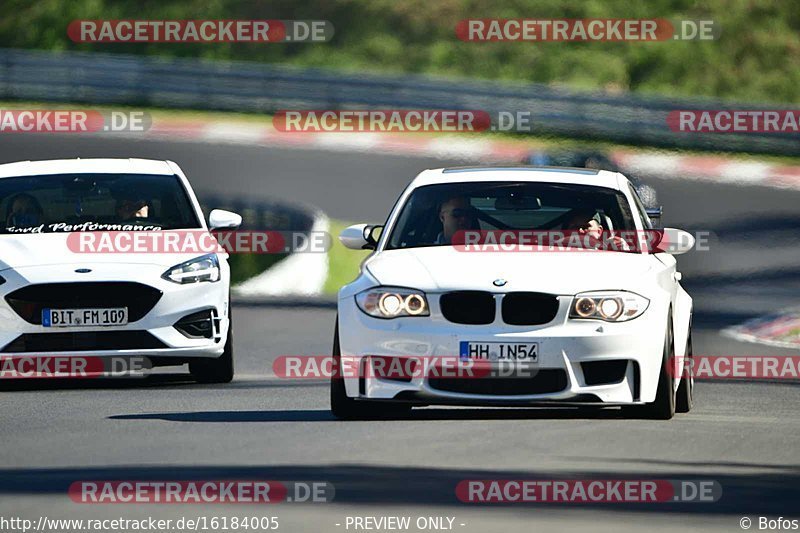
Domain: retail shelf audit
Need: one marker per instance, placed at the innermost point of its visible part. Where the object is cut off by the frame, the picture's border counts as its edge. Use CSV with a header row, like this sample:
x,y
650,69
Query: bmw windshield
x,y
434,215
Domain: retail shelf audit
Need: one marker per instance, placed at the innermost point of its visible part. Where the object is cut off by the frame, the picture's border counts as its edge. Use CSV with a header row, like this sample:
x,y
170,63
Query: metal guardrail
x,y
259,215
83,77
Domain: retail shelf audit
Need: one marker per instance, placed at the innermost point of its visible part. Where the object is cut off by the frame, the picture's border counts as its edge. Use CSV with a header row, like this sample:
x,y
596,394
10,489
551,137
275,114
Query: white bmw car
x,y
608,327
172,308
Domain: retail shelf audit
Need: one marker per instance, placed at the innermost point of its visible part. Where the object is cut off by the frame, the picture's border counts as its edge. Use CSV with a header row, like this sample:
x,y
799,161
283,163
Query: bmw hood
x,y
443,268
20,251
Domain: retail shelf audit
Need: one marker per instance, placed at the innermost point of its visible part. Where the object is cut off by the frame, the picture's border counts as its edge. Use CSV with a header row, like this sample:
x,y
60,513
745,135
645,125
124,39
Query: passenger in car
x,y
584,221
23,211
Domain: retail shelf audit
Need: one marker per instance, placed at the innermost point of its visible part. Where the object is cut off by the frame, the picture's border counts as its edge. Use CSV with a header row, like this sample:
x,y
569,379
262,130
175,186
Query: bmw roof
x,y
582,176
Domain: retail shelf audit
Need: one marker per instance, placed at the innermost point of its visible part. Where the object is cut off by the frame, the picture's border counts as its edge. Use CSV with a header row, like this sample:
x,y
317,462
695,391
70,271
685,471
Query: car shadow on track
x,y
161,381
154,380
770,492
418,415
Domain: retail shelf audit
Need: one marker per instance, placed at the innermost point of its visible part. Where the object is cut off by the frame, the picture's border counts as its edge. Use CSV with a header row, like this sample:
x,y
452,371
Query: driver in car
x,y
456,214
132,208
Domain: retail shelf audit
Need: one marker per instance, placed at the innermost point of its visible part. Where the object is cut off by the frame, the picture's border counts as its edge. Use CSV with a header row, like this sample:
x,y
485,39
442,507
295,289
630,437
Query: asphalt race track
x,y
741,434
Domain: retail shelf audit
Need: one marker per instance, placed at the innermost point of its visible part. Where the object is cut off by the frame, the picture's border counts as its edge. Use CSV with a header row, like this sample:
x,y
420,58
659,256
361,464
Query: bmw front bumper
x,y
579,361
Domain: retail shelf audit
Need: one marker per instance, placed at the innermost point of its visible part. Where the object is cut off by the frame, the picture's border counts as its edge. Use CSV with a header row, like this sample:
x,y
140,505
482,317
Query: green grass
x,y
187,115
246,266
343,263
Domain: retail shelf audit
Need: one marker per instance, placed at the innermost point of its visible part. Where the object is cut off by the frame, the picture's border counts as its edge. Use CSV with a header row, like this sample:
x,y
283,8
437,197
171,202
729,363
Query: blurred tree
x,y
757,57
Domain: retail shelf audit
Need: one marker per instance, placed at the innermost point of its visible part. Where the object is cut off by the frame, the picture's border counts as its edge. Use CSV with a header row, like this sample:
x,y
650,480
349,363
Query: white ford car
x,y
608,327
172,308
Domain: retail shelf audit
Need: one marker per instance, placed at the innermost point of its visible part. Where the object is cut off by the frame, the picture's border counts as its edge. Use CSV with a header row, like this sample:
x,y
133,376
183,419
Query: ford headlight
x,y
611,306
203,268
383,302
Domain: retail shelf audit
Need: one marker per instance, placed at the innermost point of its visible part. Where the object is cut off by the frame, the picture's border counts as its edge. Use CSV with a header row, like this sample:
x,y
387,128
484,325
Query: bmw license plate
x,y
64,318
499,351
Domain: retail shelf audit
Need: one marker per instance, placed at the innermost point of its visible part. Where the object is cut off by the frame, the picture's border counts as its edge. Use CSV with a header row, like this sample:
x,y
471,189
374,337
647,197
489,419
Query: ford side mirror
x,y
221,219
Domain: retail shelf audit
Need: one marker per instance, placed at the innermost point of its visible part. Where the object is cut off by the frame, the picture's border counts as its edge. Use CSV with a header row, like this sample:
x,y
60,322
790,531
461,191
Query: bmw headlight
x,y
203,268
385,302
611,306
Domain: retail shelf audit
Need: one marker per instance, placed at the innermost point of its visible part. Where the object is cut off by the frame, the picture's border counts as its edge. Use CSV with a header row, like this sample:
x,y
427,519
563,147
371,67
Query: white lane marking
x,y
656,163
300,274
232,132
745,173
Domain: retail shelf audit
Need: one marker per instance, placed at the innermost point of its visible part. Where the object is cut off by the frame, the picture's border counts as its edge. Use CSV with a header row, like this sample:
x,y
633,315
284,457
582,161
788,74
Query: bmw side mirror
x,y
671,241
654,214
221,219
359,237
